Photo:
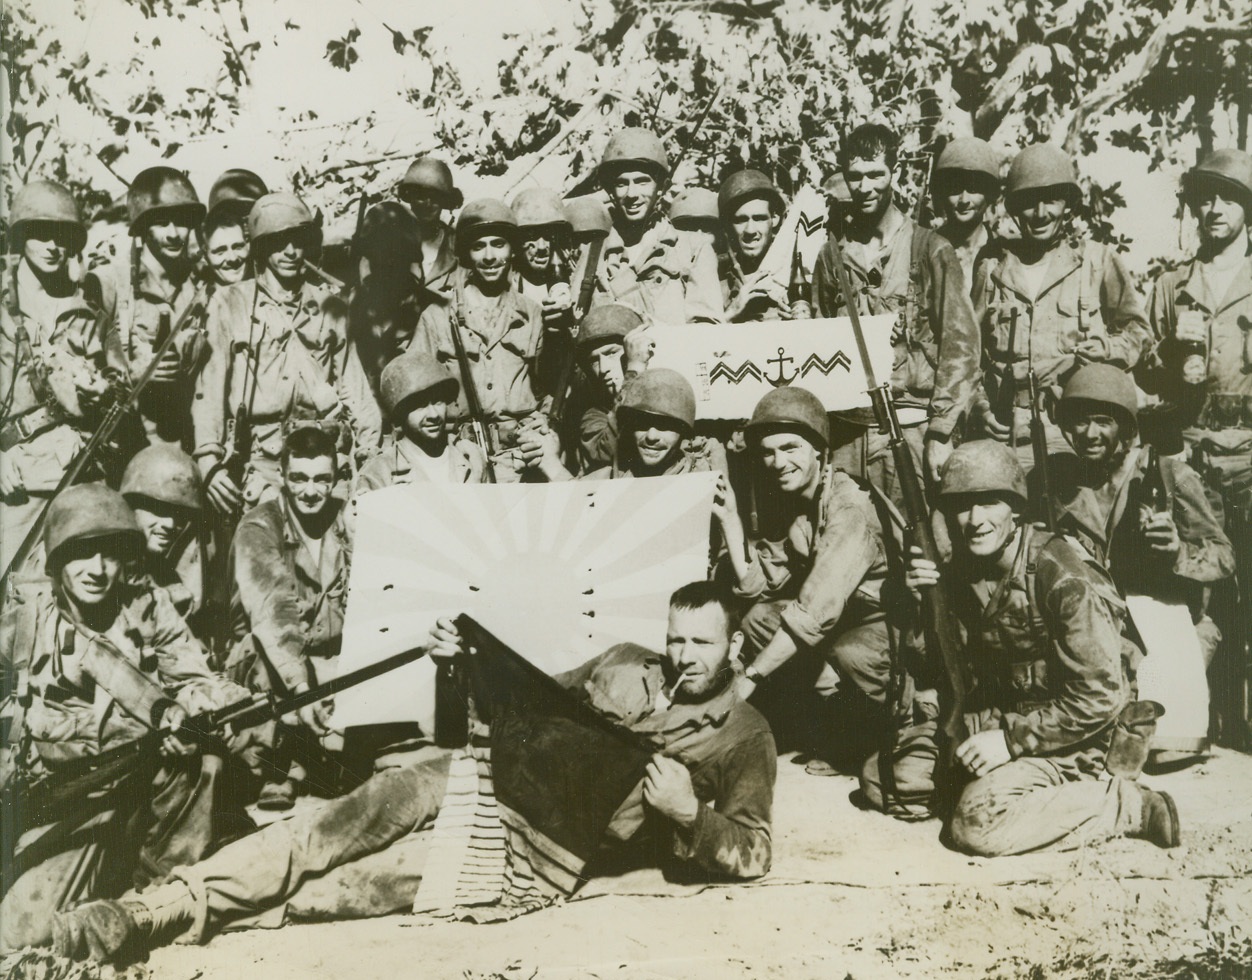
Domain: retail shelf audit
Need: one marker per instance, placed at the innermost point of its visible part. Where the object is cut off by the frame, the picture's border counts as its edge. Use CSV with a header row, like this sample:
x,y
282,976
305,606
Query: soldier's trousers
x,y
1028,804
154,825
325,855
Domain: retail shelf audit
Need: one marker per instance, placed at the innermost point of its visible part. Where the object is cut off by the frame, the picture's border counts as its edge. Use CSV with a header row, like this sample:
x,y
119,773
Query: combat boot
x,y
1159,821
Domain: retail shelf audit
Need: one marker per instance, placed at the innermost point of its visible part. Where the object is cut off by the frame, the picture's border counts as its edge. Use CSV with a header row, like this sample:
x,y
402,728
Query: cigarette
x,y
678,682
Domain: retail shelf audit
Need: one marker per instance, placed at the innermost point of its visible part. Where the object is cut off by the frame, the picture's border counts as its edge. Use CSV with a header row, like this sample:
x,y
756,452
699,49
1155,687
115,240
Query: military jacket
x,y
1228,400
827,557
44,416
669,275
1085,294
936,344
1049,653
402,462
80,700
292,603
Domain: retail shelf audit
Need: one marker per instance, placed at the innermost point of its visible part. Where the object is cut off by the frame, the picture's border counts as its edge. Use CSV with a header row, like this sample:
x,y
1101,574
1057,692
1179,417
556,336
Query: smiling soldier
x,y
752,209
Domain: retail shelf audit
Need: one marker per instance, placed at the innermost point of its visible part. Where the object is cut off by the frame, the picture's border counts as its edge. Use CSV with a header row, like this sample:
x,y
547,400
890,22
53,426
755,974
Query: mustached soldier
x,y
51,358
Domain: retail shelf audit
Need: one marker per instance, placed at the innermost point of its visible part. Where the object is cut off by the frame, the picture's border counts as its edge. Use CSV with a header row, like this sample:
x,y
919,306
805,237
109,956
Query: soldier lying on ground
x,y
815,572
710,811
1044,633
92,661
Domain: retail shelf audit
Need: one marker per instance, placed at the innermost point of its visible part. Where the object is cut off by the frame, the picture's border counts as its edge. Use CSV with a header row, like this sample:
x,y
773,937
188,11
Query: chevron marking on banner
x,y
810,224
814,363
734,375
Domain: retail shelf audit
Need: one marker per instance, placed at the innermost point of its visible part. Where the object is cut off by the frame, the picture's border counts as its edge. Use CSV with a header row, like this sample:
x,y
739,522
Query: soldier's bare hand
x,y
445,640
920,573
223,494
983,752
667,789
639,347
1162,534
725,504
1092,349
316,717
168,368
994,427
937,453
172,719
10,475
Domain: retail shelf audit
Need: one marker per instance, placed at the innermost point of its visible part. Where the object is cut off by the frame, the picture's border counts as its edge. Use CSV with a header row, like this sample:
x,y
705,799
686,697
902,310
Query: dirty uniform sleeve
x,y
208,407
957,374
769,569
848,549
268,594
1206,554
181,661
1130,337
1087,644
597,438
731,836
358,397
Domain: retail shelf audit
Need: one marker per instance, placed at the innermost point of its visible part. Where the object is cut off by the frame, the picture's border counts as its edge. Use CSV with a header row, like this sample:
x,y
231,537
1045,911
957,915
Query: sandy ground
x,y
852,894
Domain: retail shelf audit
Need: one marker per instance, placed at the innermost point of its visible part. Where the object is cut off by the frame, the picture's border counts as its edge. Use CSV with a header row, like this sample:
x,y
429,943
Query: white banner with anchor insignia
x,y
731,365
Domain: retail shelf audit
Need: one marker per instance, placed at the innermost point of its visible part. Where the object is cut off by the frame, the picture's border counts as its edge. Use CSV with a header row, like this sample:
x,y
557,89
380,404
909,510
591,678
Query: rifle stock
x,y
938,614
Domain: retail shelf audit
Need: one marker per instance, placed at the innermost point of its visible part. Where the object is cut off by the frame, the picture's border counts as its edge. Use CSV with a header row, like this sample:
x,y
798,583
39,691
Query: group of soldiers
x,y
1071,445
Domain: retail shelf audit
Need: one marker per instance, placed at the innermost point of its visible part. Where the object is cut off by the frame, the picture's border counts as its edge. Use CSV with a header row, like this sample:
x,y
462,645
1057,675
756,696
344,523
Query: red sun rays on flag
x,y
560,572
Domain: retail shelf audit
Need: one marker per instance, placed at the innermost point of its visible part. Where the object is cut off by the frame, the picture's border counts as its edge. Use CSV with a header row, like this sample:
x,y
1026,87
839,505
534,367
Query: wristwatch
x,y
755,676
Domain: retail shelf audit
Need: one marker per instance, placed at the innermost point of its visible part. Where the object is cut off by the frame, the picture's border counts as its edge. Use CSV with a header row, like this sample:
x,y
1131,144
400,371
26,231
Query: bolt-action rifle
x,y
1039,449
938,615
125,398
478,420
61,797
586,290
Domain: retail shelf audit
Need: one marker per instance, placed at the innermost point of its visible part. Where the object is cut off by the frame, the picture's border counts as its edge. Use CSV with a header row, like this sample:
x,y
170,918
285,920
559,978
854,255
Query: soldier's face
x,y
1222,219
427,416
160,525
167,238
634,194
226,250
791,461
752,228
700,647
1041,219
655,441
985,523
425,207
869,185
537,252
47,247
489,258
91,572
308,484
963,203
285,259
1094,435
605,365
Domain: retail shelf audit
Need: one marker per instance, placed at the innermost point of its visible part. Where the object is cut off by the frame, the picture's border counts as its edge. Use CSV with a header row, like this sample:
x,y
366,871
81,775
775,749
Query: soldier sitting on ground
x,y
1044,635
162,486
92,661
291,576
417,393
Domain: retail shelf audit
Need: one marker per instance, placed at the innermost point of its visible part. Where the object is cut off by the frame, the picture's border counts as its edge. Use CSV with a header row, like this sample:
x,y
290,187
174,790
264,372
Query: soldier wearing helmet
x,y
417,393
648,264
51,358
224,234
162,486
897,267
1044,634
278,358
813,571
1142,513
500,330
147,296
541,272
1201,314
428,190
752,209
965,184
1072,304
102,660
